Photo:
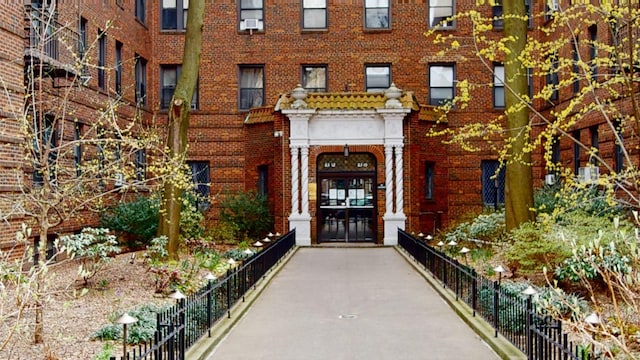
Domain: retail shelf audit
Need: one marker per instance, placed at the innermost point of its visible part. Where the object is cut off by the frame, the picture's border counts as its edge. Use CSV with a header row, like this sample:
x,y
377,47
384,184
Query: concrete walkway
x,y
350,303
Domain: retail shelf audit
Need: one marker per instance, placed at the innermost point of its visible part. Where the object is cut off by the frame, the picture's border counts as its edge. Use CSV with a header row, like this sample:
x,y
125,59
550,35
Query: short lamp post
x,y
464,251
429,237
593,320
211,278
496,298
529,292
125,319
180,298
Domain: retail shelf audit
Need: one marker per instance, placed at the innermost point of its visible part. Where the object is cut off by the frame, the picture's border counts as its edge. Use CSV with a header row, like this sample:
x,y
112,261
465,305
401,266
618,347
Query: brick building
x,y
323,106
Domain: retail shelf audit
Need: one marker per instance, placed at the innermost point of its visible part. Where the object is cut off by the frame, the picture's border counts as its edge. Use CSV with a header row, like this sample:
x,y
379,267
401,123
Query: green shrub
x,y
105,353
224,233
137,333
488,227
137,220
249,212
94,246
590,260
531,250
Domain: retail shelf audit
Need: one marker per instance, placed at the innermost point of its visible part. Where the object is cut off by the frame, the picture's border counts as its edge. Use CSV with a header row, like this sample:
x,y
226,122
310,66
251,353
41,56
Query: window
x,y
498,86
314,78
251,9
498,16
595,145
102,58
441,88
314,14
575,57
141,9
118,67
251,87
140,164
174,14
619,150
82,46
376,14
141,80
576,151
428,179
100,154
593,50
551,77
263,180
77,147
169,75
555,153
440,12
377,78
492,182
45,142
201,178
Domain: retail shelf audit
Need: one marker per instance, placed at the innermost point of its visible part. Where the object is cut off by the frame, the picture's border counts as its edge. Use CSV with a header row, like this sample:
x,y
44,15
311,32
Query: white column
x,y
295,207
399,181
304,180
388,179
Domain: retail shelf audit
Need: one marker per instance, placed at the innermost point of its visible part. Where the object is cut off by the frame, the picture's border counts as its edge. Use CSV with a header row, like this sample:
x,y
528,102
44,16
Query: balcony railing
x,y
51,45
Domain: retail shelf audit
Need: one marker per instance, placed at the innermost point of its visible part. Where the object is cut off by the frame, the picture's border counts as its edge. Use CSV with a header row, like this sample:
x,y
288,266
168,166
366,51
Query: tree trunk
x,y
178,124
519,176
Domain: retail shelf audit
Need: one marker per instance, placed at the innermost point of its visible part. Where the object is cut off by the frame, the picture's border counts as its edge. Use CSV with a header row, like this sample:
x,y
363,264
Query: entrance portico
x,y
322,126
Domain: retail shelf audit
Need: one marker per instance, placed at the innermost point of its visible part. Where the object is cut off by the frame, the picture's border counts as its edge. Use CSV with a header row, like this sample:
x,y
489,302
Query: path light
x,y
277,234
529,291
248,252
464,251
231,263
257,244
499,269
452,243
270,234
420,234
440,243
429,237
210,277
177,295
125,319
266,240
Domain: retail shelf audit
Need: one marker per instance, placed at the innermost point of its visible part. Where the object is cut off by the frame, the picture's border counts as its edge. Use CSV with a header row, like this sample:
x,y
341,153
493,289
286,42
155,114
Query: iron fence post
x,y
209,290
474,291
229,293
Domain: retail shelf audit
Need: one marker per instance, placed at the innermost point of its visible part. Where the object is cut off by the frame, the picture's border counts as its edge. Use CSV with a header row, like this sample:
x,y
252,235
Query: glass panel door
x,y
346,209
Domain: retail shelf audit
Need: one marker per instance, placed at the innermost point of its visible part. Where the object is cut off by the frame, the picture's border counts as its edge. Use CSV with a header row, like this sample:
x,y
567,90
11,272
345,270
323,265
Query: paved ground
x,y
346,303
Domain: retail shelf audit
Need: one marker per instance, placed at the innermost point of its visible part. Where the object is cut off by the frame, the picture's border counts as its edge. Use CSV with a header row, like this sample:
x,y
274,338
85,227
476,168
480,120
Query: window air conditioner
x,y
119,180
554,5
250,24
588,174
194,106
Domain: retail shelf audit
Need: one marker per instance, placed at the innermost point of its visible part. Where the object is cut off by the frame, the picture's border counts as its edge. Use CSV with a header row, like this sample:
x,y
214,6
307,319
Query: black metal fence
x,y
180,326
514,316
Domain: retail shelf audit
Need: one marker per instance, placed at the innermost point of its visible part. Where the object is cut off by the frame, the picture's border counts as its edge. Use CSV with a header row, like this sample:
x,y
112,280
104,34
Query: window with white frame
x,y
314,14
252,12
377,77
251,87
376,14
498,86
174,14
440,13
169,75
314,78
441,84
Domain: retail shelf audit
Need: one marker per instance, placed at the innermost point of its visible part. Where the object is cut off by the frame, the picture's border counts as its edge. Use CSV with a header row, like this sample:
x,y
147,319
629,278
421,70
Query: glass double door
x,y
346,211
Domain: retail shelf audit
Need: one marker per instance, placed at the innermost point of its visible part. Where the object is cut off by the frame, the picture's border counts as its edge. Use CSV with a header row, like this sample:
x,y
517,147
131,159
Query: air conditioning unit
x,y
194,106
119,180
550,179
588,174
251,24
554,5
